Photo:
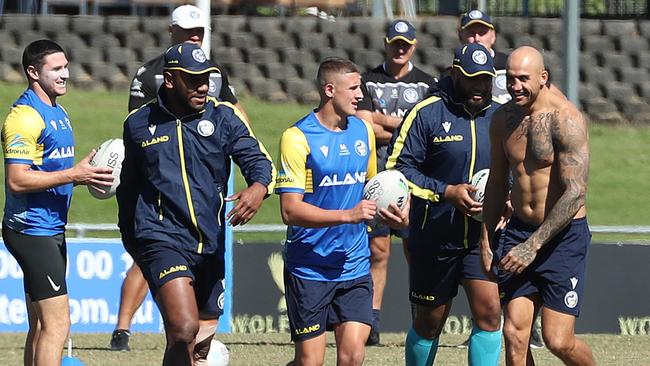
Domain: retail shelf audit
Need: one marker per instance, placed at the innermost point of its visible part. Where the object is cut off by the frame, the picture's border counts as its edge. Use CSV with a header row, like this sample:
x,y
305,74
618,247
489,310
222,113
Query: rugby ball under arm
x,y
110,154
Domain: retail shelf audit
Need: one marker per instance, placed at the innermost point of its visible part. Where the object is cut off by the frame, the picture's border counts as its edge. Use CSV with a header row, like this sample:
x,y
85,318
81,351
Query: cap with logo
x,y
189,17
475,17
189,58
401,29
474,59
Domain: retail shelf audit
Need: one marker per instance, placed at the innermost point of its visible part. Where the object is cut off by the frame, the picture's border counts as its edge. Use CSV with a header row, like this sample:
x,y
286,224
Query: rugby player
x,y
38,146
390,90
325,159
541,140
439,146
174,183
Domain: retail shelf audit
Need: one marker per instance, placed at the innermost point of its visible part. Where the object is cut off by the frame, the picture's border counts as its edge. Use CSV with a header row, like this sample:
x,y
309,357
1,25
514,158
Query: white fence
x,y
81,229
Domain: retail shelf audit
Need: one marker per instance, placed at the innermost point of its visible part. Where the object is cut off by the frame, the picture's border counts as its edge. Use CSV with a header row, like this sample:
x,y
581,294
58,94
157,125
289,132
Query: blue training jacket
x,y
439,143
175,173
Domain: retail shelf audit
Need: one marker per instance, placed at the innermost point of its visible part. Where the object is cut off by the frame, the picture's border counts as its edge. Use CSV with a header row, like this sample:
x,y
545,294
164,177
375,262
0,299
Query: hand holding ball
x,y
109,155
479,181
389,186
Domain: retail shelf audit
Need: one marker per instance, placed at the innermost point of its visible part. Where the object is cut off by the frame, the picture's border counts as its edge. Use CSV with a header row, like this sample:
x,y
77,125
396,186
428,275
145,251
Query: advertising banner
x,y
616,298
95,270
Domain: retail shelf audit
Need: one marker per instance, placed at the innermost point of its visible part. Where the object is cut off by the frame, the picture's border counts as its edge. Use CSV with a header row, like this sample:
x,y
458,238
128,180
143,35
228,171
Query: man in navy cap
x,y
188,24
442,142
477,27
178,151
389,91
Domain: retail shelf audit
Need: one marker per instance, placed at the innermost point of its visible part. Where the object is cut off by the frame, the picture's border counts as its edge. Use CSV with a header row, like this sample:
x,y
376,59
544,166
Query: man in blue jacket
x,y
171,198
440,145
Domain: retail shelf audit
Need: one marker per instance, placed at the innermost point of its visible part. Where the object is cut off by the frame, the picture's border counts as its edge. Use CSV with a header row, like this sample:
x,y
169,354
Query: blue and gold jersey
x,y
330,169
40,136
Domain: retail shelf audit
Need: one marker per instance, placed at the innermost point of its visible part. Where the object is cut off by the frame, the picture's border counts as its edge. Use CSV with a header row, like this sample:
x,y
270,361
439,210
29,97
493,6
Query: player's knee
x,y
183,332
515,337
557,342
488,317
351,356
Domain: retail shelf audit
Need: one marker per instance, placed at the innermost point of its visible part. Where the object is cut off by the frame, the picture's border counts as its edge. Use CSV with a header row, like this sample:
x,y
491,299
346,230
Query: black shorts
x,y
162,262
43,261
316,306
435,276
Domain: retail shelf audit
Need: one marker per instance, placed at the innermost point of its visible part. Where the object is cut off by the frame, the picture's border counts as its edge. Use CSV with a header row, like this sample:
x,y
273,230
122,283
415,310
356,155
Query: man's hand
x,y
363,211
505,216
519,257
458,195
85,174
394,217
249,201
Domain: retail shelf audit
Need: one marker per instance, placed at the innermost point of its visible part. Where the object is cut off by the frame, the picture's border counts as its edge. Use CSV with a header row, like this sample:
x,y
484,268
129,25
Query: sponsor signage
x,y
616,296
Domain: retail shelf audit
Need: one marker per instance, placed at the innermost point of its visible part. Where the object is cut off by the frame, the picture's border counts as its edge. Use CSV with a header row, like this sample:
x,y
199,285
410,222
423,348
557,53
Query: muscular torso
x,y
533,161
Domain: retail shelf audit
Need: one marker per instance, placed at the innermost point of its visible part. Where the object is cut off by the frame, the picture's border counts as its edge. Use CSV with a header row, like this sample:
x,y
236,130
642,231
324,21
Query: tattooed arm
x,y
571,145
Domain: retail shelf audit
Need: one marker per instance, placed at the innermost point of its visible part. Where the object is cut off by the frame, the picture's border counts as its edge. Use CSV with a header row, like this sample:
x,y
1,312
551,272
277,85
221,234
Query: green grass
x,y
618,182
275,349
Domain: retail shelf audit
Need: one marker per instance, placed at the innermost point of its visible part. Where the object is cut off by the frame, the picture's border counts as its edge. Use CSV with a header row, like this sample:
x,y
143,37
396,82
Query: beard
x,y
475,106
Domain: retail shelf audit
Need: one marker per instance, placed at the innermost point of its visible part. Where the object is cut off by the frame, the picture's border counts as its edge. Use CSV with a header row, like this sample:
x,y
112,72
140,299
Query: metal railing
x,y
81,229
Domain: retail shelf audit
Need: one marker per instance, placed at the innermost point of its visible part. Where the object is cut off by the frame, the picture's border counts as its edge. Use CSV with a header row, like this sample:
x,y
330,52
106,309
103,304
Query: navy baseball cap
x,y
474,17
474,59
401,29
189,58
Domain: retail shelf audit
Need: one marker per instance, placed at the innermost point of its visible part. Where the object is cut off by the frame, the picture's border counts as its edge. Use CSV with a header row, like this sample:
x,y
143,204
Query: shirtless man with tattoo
x,y
541,139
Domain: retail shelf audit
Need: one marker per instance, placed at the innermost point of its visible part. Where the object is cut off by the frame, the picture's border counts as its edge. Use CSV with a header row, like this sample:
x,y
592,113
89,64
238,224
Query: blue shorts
x,y
162,262
434,276
379,230
558,271
316,306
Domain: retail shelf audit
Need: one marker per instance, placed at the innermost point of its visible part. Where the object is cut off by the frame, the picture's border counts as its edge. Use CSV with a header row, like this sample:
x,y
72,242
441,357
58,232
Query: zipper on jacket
x,y
220,208
426,215
186,185
160,213
470,174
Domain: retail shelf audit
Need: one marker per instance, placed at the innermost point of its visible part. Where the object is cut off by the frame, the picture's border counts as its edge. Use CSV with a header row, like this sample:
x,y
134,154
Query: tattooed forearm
x,y
571,144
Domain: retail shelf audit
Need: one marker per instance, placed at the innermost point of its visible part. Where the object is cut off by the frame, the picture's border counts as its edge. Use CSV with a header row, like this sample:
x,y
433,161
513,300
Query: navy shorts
x,y
316,306
434,276
558,271
162,262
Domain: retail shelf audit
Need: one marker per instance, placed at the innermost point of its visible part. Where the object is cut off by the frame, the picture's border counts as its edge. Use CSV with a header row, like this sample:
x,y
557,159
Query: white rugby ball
x,y
389,186
219,354
479,180
110,154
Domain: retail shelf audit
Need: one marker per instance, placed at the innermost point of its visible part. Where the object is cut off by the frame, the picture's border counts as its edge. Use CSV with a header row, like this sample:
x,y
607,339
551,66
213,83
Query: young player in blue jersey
x,y
38,146
326,158
440,145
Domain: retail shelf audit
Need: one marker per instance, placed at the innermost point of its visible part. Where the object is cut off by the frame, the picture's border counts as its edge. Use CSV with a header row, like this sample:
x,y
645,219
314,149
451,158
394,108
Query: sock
x,y
484,347
419,351
375,318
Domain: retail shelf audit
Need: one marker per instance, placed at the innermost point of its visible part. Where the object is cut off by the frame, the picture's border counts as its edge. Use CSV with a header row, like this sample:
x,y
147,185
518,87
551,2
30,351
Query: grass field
x,y
275,349
618,182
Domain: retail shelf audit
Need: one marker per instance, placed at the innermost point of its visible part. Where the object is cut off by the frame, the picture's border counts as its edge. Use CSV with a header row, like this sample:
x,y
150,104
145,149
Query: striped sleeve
x,y
293,175
408,152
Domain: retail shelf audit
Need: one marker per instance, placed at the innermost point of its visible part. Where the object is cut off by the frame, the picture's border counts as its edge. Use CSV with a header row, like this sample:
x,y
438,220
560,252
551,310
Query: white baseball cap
x,y
188,17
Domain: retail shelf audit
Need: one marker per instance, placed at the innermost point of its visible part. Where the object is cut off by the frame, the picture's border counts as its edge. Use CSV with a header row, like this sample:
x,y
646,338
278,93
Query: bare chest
x,y
531,141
